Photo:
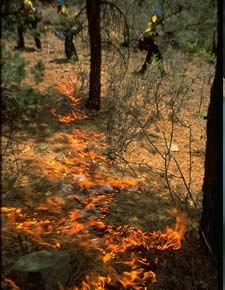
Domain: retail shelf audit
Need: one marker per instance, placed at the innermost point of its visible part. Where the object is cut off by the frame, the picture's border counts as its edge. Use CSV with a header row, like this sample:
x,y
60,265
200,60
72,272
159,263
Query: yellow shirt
x,y
27,10
63,10
65,21
151,27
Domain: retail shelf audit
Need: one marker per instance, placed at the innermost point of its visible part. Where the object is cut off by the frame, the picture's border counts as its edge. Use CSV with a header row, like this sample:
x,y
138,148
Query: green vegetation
x,y
17,93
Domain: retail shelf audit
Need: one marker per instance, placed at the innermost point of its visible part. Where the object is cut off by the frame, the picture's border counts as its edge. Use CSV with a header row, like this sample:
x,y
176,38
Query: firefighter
x,y
61,7
147,41
69,30
27,19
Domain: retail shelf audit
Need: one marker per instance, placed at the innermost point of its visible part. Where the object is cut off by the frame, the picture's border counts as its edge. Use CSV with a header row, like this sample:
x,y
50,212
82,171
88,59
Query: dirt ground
x,y
62,187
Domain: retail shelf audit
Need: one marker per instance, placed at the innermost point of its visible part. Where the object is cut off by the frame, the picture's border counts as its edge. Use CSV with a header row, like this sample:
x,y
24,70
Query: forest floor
x,y
65,188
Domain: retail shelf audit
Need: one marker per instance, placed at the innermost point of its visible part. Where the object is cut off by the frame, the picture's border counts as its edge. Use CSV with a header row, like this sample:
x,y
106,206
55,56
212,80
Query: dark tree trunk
x,y
93,15
211,224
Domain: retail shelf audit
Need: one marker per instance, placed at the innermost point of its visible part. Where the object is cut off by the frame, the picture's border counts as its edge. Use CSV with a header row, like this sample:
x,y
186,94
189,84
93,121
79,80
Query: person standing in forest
x,y
147,40
67,29
28,17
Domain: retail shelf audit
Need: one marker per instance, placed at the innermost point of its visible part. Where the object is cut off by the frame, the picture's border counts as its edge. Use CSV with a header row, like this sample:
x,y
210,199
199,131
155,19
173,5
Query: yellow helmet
x,y
63,10
154,18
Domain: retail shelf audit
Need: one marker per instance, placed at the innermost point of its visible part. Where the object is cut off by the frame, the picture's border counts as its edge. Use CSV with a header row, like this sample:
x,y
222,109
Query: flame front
x,y
68,90
78,216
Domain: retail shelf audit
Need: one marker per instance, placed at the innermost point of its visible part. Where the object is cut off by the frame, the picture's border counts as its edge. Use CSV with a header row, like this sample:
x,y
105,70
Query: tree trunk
x,y
93,15
210,225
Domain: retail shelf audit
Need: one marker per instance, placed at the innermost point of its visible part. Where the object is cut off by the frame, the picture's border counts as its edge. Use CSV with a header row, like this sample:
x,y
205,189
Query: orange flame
x,y
65,119
173,237
35,227
115,244
11,283
68,89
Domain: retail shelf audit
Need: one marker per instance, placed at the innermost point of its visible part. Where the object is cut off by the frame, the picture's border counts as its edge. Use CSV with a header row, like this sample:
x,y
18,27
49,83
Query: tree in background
x,y
93,15
210,226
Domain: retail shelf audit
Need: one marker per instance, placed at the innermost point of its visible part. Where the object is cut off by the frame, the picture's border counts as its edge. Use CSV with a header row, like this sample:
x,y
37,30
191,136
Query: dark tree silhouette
x,y
93,15
211,224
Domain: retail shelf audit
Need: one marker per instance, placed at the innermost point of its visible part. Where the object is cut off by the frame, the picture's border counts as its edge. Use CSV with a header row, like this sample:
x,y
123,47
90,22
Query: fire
x,y
114,247
9,217
78,215
67,88
35,227
72,228
99,282
119,240
92,155
66,119
173,237
11,283
9,210
129,279
150,275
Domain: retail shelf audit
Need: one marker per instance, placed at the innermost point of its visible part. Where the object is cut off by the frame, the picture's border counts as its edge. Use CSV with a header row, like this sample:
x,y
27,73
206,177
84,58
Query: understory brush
x,y
161,114
19,97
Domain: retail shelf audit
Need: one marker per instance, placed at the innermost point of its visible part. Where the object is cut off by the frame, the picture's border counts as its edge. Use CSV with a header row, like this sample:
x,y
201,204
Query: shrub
x,y
17,94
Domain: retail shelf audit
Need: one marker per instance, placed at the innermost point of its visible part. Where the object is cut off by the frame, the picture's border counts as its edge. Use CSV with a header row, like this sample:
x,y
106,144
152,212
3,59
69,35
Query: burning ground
x,y
63,190
63,199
